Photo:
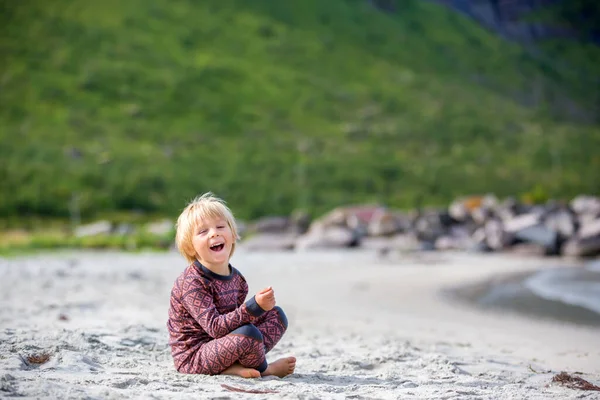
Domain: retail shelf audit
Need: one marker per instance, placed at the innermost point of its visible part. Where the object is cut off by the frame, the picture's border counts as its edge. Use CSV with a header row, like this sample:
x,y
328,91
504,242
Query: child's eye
x,y
203,231
221,226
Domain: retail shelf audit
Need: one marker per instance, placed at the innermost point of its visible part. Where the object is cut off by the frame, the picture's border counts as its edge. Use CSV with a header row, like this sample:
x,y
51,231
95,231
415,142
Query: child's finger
x,y
265,290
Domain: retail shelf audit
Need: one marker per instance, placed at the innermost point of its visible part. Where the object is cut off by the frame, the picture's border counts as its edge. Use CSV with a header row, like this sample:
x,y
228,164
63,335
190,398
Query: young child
x,y
211,329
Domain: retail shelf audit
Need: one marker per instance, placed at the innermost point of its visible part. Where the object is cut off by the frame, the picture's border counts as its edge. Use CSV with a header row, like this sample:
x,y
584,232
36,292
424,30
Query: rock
x,y
96,228
459,210
589,229
529,228
521,222
353,217
479,247
481,215
273,224
381,244
586,205
386,222
477,208
457,238
496,237
582,247
124,229
300,221
528,249
446,220
385,245
160,228
585,219
447,242
586,242
270,242
509,209
490,202
428,226
561,221
328,237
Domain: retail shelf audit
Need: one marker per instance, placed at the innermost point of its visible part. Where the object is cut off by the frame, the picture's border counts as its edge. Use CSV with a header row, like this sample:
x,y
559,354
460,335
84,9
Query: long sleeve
x,y
199,302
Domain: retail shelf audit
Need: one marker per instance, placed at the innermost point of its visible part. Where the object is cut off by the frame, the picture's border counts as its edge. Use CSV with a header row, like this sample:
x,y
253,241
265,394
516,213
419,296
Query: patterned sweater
x,y
206,306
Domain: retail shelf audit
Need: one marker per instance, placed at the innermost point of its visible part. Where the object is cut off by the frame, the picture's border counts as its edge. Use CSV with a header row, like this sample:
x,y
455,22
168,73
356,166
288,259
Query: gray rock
x,y
521,222
586,205
428,226
384,245
447,242
124,229
356,218
561,221
578,247
508,209
269,242
481,215
495,235
529,249
586,219
589,229
459,211
328,237
530,229
96,228
160,228
272,224
300,221
385,223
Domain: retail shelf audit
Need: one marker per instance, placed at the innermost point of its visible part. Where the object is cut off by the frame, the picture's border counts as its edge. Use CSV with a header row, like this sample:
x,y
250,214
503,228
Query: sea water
x,y
569,294
573,286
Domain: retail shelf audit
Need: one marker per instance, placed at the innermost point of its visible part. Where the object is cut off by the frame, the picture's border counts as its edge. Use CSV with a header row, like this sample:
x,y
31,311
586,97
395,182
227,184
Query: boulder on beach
x,y
328,237
387,222
270,242
270,224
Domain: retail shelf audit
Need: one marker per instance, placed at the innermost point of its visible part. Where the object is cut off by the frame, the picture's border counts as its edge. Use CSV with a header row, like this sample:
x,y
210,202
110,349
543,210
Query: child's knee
x,y
282,316
250,331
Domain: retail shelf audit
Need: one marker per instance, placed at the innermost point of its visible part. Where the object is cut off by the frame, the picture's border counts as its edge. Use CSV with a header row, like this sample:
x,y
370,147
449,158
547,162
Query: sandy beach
x,y
361,327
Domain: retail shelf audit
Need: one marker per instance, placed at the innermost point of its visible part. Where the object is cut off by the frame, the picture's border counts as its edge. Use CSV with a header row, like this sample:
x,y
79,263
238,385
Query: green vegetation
x,y
116,106
20,242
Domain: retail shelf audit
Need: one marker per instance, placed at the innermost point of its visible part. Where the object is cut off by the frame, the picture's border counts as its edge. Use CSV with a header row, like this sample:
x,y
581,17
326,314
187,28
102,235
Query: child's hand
x,y
266,298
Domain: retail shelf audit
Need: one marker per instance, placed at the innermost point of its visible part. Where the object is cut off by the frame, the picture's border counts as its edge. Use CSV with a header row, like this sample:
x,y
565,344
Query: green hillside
x,y
275,105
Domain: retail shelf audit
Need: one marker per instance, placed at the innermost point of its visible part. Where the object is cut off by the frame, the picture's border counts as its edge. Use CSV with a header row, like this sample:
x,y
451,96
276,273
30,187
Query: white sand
x,y
360,327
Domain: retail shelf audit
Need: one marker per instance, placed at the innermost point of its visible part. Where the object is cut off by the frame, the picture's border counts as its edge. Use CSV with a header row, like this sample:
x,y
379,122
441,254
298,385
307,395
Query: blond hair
x,y
201,208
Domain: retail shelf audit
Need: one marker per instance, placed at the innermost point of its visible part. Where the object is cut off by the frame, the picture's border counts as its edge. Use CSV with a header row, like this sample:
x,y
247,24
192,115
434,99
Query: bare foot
x,y
239,370
281,367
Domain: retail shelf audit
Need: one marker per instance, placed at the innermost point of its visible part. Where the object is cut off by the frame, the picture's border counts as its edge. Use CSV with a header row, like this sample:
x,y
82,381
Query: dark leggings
x,y
247,345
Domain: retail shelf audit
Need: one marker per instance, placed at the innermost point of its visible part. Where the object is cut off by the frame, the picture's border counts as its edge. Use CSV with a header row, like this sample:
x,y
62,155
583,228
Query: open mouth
x,y
217,247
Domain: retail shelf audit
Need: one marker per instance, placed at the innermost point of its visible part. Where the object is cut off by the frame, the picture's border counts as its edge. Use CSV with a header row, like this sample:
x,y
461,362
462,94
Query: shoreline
x,y
507,293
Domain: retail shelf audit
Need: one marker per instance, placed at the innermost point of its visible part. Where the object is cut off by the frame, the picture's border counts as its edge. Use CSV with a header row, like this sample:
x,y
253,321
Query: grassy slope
x,y
273,105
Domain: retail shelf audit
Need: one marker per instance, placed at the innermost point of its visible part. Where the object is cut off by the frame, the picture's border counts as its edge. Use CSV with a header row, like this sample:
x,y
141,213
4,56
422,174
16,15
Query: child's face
x,y
212,241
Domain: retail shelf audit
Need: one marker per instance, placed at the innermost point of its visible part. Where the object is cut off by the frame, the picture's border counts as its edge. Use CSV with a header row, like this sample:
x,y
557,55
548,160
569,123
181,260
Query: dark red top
x,y
206,306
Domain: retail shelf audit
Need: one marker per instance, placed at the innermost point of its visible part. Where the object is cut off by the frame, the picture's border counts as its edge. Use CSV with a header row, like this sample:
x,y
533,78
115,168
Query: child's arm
x,y
198,300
